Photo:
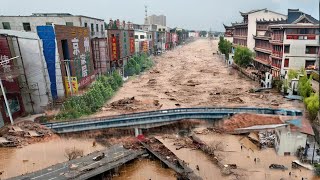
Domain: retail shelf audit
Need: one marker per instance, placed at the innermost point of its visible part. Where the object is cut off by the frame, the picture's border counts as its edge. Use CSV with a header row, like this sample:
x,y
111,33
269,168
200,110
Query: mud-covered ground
x,y
191,76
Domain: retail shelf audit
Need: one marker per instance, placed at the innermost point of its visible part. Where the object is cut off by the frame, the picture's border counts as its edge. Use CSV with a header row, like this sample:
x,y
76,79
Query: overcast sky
x,y
189,14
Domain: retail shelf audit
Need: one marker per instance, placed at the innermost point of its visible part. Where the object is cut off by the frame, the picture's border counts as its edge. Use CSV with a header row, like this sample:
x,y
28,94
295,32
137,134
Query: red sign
x,y
132,48
114,51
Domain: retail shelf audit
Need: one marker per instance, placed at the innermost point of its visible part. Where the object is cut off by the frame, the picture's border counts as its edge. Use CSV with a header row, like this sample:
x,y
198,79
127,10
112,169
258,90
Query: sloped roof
x,y
257,10
295,14
304,16
225,26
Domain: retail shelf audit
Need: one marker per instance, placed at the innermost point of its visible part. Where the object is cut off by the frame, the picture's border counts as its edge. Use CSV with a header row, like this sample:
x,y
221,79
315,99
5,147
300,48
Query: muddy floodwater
x,y
145,169
17,161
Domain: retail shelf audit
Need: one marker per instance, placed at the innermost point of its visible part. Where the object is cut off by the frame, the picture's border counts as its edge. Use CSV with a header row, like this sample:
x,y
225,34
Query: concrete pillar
x,y
137,131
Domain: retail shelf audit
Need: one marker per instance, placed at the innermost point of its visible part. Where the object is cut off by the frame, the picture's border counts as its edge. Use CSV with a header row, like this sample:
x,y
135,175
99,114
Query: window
x,y
136,37
141,36
312,50
102,28
286,63
69,23
97,27
26,26
6,25
286,48
310,64
92,27
85,24
48,23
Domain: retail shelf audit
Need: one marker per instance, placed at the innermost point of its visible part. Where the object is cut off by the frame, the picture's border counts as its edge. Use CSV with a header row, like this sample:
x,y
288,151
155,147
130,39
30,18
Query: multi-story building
x,y
30,23
263,47
24,74
244,32
228,35
154,19
295,45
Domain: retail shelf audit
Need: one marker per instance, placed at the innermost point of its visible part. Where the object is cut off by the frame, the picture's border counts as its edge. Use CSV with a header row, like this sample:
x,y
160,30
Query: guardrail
x,y
160,116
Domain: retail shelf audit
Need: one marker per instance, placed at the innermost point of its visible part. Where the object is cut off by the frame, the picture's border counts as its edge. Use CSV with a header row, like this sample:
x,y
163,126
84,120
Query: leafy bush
x,y
292,74
312,105
243,56
137,64
315,76
224,46
90,102
304,86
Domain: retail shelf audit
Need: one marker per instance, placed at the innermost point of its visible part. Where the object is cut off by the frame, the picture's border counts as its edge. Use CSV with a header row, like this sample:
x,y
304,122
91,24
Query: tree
x,y
243,56
312,104
292,74
304,86
203,33
224,46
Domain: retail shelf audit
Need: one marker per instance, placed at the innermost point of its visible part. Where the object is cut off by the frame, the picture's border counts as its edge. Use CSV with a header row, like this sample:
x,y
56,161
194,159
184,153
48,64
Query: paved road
x,y
86,167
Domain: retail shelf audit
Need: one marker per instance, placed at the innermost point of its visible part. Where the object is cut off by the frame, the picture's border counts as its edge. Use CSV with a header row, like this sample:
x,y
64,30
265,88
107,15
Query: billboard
x,y
74,45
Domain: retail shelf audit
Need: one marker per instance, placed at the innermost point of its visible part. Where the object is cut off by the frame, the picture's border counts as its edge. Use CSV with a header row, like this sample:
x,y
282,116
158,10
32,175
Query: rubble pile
x,y
26,132
246,120
267,139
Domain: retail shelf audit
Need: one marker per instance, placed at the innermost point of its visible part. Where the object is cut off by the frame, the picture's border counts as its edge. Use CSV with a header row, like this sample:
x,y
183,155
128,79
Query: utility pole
x,y
3,91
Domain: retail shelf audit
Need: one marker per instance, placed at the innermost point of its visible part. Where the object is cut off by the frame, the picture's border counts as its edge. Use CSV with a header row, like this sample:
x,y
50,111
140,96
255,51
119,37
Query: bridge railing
x,y
180,110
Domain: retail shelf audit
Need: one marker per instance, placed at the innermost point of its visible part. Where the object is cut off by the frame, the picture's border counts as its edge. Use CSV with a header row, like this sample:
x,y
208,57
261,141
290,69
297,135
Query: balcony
x,y
301,36
277,54
262,61
263,49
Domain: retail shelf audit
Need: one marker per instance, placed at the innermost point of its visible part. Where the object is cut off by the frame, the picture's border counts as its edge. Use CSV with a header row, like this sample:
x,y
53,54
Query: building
x,y
30,23
141,41
263,47
154,19
228,35
67,52
25,78
295,44
194,34
121,44
244,32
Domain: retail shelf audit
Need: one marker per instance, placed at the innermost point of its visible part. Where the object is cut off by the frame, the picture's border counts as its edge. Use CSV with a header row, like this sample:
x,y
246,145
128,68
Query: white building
x,y
140,36
288,140
34,80
194,34
245,31
29,23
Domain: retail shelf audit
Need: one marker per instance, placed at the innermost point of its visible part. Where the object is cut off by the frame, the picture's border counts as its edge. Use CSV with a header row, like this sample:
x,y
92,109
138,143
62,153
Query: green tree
x,y
312,105
224,46
304,86
243,56
292,74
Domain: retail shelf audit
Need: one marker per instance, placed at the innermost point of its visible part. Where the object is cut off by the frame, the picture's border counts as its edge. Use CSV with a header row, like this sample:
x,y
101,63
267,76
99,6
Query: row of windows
x,y
308,50
302,31
27,26
308,63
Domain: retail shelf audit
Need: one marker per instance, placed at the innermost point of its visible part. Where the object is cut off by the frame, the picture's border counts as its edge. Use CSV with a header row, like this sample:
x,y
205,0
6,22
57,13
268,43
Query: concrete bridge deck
x,y
115,156
146,119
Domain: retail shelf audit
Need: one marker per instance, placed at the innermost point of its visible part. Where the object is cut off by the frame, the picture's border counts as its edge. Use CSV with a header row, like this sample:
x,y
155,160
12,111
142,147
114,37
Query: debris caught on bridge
x,y
246,120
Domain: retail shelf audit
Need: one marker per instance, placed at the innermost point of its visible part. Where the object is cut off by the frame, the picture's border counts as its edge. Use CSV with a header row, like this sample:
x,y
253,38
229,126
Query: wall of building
x,y
28,46
252,24
297,55
289,141
16,22
100,33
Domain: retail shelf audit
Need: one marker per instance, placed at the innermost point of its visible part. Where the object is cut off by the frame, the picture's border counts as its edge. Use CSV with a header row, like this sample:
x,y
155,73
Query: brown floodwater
x,y
17,161
145,169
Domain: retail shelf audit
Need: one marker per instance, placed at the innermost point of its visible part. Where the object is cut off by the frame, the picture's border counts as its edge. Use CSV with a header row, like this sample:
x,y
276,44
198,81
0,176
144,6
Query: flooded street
x,y
145,169
17,161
